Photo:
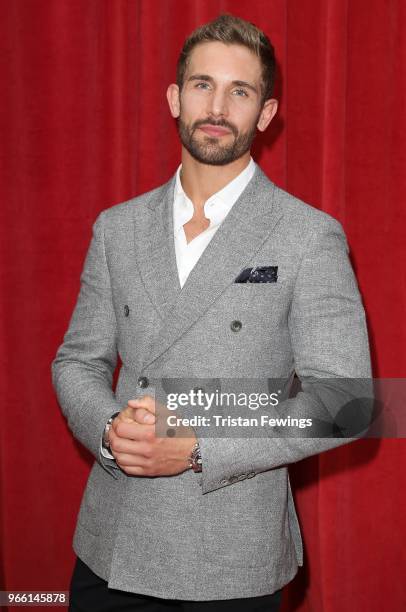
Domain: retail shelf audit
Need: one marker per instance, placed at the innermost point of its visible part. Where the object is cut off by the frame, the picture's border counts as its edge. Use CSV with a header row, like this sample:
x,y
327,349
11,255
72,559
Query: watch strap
x,y
105,438
195,459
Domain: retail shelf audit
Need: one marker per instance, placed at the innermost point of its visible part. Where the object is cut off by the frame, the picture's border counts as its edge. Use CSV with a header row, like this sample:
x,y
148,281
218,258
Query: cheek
x,y
192,100
191,111
243,123
246,112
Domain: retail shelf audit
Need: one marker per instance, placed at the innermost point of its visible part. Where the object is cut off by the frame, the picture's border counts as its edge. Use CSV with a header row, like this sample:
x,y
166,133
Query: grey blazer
x,y
231,531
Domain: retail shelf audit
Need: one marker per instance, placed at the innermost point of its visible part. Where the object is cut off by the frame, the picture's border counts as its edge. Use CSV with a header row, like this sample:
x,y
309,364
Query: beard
x,y
210,151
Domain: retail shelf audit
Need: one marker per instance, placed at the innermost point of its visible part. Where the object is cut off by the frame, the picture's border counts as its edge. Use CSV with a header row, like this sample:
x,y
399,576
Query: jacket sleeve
x,y
82,371
331,358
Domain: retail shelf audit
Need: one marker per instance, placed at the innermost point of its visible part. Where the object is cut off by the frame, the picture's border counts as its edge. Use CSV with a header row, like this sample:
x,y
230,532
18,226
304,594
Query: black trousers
x,y
89,593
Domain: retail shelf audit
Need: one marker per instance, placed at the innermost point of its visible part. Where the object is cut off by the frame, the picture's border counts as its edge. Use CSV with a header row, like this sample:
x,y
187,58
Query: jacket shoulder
x,y
300,214
124,211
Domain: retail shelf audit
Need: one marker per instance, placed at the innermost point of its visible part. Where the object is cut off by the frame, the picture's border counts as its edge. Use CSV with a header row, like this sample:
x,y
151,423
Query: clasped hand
x,y
136,448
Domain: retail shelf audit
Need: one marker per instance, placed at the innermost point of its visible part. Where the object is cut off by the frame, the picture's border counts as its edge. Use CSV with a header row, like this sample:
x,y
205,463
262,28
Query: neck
x,y
201,181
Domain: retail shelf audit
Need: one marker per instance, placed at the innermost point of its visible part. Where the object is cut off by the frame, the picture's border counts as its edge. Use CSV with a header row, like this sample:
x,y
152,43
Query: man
x,y
218,275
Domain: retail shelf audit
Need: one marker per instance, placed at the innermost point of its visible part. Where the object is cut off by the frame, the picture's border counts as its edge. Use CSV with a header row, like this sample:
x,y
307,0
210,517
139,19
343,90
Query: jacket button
x,y
250,474
242,476
236,326
126,311
143,382
233,479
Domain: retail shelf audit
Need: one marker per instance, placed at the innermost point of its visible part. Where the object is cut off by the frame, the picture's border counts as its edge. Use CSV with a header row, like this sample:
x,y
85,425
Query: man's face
x,y
220,102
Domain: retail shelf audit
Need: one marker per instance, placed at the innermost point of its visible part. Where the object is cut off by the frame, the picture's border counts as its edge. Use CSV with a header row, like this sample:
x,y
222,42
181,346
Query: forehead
x,y
224,62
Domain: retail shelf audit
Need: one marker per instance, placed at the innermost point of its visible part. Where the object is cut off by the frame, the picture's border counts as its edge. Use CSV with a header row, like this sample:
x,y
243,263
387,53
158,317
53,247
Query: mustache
x,y
221,123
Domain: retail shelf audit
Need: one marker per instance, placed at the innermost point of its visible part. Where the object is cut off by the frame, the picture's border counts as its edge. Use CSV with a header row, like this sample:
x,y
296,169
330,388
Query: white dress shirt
x,y
216,209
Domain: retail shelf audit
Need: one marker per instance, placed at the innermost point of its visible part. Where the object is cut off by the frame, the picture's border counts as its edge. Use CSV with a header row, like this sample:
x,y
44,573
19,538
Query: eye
x,y
241,93
198,85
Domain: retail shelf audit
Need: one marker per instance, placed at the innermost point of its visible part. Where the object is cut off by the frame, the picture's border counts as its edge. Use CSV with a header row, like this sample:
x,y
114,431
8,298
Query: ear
x,y
267,114
172,94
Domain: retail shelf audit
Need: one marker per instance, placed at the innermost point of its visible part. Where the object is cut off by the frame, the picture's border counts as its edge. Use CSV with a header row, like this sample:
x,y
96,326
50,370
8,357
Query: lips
x,y
214,130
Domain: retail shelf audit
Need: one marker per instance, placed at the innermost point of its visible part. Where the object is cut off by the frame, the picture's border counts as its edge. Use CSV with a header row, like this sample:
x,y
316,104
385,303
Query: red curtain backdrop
x,y
85,125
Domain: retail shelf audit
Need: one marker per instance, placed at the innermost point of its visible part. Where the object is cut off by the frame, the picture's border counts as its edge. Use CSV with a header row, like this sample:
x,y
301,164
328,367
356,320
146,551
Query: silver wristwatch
x,y
105,440
195,459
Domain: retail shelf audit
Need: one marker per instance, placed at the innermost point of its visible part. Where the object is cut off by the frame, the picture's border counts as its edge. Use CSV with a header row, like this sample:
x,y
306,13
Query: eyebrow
x,y
206,77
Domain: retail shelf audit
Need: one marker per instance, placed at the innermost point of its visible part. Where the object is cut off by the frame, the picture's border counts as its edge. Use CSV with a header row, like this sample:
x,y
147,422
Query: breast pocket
x,y
249,292
264,303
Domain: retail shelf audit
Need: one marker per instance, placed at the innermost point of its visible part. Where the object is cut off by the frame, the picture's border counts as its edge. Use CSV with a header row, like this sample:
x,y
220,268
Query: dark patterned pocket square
x,y
260,274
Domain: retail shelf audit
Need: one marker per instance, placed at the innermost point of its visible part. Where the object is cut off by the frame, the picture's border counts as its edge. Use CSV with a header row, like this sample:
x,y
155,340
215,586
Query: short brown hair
x,y
230,30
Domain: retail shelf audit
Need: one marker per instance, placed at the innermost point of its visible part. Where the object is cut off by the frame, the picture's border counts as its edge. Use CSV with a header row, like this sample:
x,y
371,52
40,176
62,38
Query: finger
x,y
146,401
126,414
142,415
124,460
135,471
122,445
133,430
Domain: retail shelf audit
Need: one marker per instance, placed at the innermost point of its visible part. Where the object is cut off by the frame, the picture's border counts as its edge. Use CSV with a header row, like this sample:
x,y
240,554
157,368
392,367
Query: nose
x,y
217,104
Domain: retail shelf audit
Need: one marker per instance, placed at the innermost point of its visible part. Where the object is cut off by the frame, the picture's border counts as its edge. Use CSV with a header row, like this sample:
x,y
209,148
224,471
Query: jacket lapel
x,y
155,249
247,225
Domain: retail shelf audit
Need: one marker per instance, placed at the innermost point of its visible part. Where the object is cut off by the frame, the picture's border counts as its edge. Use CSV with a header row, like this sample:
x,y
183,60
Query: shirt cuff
x,y
106,453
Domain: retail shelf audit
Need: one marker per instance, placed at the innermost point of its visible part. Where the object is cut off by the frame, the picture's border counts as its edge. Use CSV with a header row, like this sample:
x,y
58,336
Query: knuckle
x,y
139,413
115,444
149,435
118,457
148,452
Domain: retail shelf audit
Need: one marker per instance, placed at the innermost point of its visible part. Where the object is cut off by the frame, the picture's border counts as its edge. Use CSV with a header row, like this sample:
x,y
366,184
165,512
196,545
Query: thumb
x,y
146,402
127,414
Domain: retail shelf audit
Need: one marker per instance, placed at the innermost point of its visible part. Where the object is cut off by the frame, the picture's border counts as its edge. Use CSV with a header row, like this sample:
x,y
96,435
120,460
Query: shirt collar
x,y
218,205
